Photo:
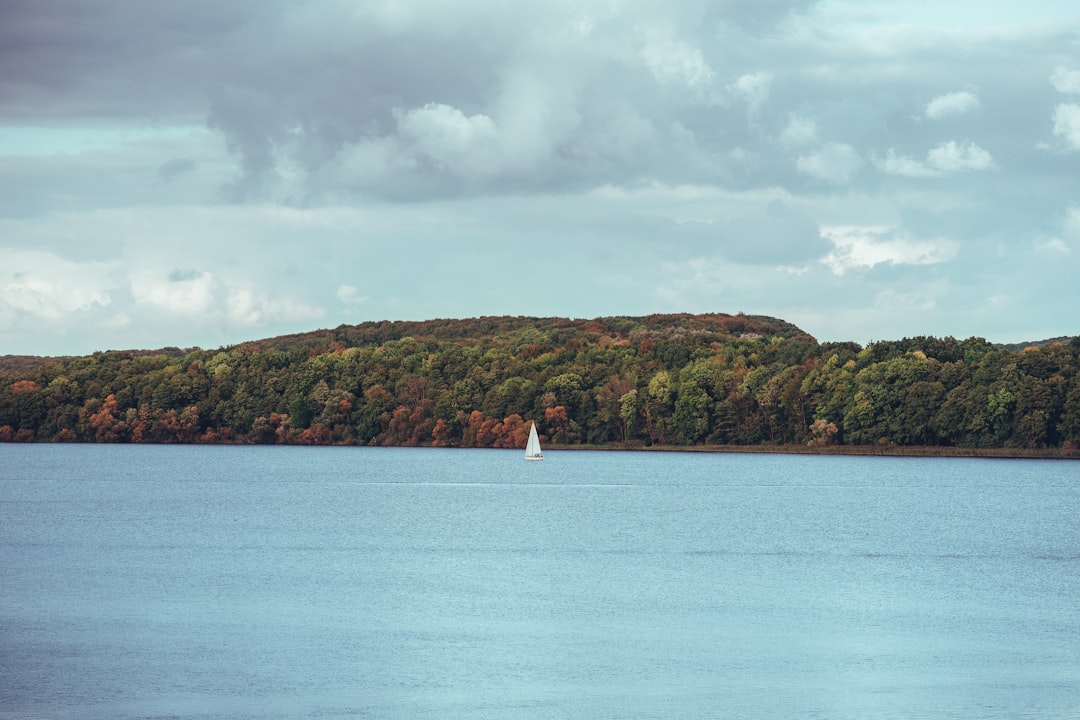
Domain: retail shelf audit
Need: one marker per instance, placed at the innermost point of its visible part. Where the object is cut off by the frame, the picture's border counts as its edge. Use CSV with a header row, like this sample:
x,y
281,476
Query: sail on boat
x,y
532,450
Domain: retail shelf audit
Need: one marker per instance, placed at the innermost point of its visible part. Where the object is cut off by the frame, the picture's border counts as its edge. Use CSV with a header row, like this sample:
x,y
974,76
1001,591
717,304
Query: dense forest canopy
x,y
668,380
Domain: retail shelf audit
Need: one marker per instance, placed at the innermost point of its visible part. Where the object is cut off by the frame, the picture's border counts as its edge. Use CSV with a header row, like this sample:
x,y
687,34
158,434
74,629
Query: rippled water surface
x,y
267,582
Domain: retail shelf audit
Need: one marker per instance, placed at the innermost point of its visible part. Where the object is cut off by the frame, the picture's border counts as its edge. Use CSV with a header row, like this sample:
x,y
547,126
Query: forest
x,y
677,380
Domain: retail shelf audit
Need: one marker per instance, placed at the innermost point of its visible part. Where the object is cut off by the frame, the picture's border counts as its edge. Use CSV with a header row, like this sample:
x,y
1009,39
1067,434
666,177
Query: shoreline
x,y
851,450
854,450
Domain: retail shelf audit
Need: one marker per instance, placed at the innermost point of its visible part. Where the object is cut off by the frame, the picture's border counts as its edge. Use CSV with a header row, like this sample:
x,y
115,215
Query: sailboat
x,y
532,450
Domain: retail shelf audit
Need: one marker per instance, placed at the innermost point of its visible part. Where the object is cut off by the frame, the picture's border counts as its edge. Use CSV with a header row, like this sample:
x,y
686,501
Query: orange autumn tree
x,y
477,430
558,423
512,432
106,426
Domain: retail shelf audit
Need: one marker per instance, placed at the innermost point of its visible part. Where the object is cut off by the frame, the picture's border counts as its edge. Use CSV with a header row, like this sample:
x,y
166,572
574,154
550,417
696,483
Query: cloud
x,y
47,286
835,163
864,247
1067,125
753,89
1072,223
1053,245
957,157
447,137
350,295
1069,237
507,96
799,131
952,104
250,308
904,165
183,292
948,157
1066,81
672,60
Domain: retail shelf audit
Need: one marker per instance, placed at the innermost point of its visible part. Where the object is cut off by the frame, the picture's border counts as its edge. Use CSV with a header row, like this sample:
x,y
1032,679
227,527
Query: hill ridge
x,y
680,379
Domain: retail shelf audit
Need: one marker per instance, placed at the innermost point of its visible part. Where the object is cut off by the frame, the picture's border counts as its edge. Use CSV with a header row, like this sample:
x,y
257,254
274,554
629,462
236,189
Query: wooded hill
x,y
661,380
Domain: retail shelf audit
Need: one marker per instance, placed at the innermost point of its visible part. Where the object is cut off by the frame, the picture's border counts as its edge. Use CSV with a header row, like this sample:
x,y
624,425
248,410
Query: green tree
x,y
690,420
999,405
658,408
628,412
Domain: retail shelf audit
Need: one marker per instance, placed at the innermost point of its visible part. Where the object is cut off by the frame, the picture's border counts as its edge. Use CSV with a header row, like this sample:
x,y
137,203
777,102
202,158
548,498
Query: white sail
x,y
532,450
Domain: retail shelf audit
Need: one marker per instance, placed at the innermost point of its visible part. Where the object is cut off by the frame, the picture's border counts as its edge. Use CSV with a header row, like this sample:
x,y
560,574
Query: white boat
x,y
532,450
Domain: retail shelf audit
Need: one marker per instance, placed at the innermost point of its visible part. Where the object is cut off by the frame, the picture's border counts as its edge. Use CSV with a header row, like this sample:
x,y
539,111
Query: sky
x,y
206,173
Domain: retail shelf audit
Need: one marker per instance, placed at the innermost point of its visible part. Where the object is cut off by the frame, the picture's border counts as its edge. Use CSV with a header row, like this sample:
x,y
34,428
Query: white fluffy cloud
x,y
1067,115
1069,237
956,103
864,247
47,286
180,292
1066,81
903,165
464,145
1067,125
251,308
350,295
753,89
948,157
959,157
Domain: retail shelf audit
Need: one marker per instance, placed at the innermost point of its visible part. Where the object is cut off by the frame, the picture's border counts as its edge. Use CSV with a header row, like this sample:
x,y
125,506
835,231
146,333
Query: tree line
x,y
661,380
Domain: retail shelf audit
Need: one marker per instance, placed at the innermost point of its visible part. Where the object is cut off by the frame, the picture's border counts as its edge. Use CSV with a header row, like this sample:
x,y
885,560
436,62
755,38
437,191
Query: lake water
x,y
274,582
